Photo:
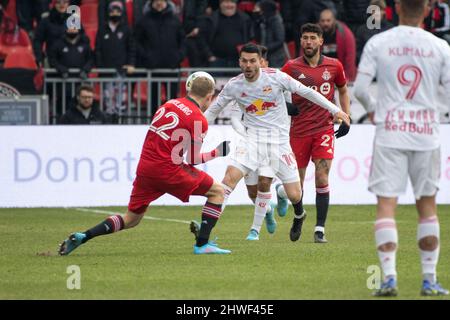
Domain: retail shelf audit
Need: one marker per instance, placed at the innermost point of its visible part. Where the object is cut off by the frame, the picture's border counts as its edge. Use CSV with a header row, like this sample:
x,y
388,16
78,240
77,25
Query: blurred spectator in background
x,y
84,110
103,11
339,42
438,20
161,43
72,50
193,15
296,13
160,38
226,29
50,29
391,14
269,31
355,13
115,49
363,33
30,11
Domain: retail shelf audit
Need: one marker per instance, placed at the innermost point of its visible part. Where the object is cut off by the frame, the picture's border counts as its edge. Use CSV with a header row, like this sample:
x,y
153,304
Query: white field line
x,y
113,213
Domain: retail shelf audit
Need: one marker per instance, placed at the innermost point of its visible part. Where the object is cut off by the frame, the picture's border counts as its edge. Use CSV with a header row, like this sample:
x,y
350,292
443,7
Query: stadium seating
x,y
89,15
130,14
91,33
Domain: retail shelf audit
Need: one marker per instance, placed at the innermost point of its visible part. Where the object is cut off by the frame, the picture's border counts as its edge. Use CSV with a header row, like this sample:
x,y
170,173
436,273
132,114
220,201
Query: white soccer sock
x,y
429,227
261,203
269,207
226,195
281,192
386,232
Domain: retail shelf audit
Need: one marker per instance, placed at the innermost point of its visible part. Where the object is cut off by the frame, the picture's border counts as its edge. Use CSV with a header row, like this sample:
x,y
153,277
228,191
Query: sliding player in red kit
x,y
178,127
312,131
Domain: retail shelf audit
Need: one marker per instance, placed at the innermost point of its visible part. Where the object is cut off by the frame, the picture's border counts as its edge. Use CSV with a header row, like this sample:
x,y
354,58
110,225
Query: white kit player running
x,y
266,148
409,64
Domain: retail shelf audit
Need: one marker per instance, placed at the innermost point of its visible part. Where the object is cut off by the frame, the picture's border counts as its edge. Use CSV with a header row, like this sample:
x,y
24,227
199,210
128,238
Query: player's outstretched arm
x,y
194,156
218,104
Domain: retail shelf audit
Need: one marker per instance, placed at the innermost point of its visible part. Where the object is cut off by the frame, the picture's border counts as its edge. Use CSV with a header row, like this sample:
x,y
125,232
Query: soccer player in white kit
x,y
266,148
409,64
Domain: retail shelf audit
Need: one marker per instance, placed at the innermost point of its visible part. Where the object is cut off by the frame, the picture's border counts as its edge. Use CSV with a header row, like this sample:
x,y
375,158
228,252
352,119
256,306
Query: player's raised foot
x,y
296,229
195,228
271,224
432,289
210,248
387,289
71,243
253,235
319,237
282,203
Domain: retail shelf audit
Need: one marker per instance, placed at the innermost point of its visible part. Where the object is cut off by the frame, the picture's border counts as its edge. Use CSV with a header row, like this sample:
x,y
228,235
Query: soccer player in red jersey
x,y
312,133
178,127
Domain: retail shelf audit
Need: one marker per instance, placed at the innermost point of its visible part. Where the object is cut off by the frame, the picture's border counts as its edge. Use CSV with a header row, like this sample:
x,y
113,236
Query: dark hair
x,y
250,48
264,51
311,27
413,8
85,87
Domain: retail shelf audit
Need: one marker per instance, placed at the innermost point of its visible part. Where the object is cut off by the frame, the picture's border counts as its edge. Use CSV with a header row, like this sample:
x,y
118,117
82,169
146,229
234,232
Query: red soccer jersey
x,y
322,78
176,126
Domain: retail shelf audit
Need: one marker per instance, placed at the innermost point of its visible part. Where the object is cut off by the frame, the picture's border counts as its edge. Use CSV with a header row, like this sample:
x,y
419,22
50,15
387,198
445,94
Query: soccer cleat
x,y
210,248
253,235
387,289
319,237
282,203
271,224
195,228
296,229
71,243
432,289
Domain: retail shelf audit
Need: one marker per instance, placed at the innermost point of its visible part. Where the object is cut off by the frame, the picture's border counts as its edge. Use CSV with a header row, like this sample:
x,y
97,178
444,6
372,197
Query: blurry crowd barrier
x,y
133,99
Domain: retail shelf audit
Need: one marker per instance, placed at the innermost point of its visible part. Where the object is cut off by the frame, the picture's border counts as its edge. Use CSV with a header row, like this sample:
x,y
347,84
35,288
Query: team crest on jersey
x,y
326,75
259,107
267,90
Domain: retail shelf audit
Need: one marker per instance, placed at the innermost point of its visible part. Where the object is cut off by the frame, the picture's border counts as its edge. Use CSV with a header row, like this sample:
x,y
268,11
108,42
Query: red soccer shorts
x,y
184,182
316,146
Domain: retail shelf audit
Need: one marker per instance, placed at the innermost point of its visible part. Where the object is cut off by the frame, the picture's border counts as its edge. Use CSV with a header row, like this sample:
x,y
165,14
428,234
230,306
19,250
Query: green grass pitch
x,y
155,259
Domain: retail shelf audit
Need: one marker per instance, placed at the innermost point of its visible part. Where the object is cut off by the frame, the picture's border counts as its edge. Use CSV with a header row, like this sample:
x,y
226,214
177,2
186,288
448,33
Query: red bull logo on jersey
x,y
259,107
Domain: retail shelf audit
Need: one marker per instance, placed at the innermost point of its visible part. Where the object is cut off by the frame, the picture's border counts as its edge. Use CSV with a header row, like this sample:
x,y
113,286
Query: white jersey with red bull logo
x,y
409,64
263,104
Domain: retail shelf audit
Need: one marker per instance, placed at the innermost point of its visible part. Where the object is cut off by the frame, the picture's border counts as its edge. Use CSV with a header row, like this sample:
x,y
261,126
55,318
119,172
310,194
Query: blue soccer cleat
x,y
253,235
387,289
432,289
71,243
282,203
210,248
271,224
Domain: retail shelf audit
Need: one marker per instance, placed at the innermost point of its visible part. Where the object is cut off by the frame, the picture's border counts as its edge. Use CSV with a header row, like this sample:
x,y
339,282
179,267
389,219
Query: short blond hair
x,y
201,87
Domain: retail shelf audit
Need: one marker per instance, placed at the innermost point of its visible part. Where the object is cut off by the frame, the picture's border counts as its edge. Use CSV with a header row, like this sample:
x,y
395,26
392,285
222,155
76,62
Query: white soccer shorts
x,y
392,167
267,159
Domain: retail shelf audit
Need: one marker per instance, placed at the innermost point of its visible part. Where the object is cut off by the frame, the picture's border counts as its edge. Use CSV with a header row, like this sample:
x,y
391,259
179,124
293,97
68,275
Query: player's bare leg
x,y
210,214
262,201
112,224
386,238
322,172
428,241
282,198
294,193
